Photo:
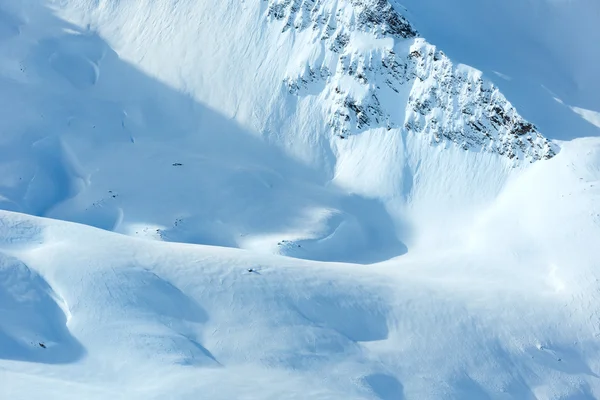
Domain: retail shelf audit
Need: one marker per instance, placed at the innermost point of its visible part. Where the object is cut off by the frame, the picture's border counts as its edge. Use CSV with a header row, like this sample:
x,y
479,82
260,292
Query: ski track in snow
x,y
373,267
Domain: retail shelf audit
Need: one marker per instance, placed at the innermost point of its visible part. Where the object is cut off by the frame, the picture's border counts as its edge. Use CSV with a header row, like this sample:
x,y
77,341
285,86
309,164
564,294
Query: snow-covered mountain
x,y
366,83
340,92
460,240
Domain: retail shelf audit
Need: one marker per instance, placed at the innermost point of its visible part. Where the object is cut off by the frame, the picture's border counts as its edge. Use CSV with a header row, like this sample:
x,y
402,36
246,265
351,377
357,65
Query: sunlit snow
x,y
179,221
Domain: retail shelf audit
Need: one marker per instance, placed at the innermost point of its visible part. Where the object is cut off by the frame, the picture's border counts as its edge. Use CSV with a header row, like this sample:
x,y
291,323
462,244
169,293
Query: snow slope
x,y
510,313
116,135
460,241
103,144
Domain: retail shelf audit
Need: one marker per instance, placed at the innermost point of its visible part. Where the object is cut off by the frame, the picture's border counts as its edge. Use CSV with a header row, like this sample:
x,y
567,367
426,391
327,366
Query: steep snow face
x,y
366,82
357,62
322,130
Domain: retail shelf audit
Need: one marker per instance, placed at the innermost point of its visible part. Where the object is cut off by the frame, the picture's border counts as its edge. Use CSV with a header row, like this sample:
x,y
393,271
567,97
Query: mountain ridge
x,y
483,120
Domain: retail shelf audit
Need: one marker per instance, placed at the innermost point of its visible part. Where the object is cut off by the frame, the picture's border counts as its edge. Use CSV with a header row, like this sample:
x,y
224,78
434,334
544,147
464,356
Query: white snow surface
x,y
284,199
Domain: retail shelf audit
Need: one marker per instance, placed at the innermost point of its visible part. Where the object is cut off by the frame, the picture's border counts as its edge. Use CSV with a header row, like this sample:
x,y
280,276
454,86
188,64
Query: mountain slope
x,y
348,46
364,78
345,164
459,242
510,314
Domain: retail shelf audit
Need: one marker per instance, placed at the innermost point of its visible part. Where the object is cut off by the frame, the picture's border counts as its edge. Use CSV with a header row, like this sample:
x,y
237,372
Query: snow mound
x,y
33,318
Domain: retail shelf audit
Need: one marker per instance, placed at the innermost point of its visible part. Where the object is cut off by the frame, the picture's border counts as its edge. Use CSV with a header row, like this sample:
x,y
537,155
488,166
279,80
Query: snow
x,y
176,223
507,312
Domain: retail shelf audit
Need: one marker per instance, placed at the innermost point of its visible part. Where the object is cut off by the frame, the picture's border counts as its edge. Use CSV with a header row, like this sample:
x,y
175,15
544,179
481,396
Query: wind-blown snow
x,y
460,241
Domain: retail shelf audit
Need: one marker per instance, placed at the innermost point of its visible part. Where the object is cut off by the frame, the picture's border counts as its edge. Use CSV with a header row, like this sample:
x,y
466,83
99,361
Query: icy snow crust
x,y
318,130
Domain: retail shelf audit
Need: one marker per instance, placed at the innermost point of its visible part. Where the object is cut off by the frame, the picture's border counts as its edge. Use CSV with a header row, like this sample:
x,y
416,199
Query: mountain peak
x,y
376,16
374,71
